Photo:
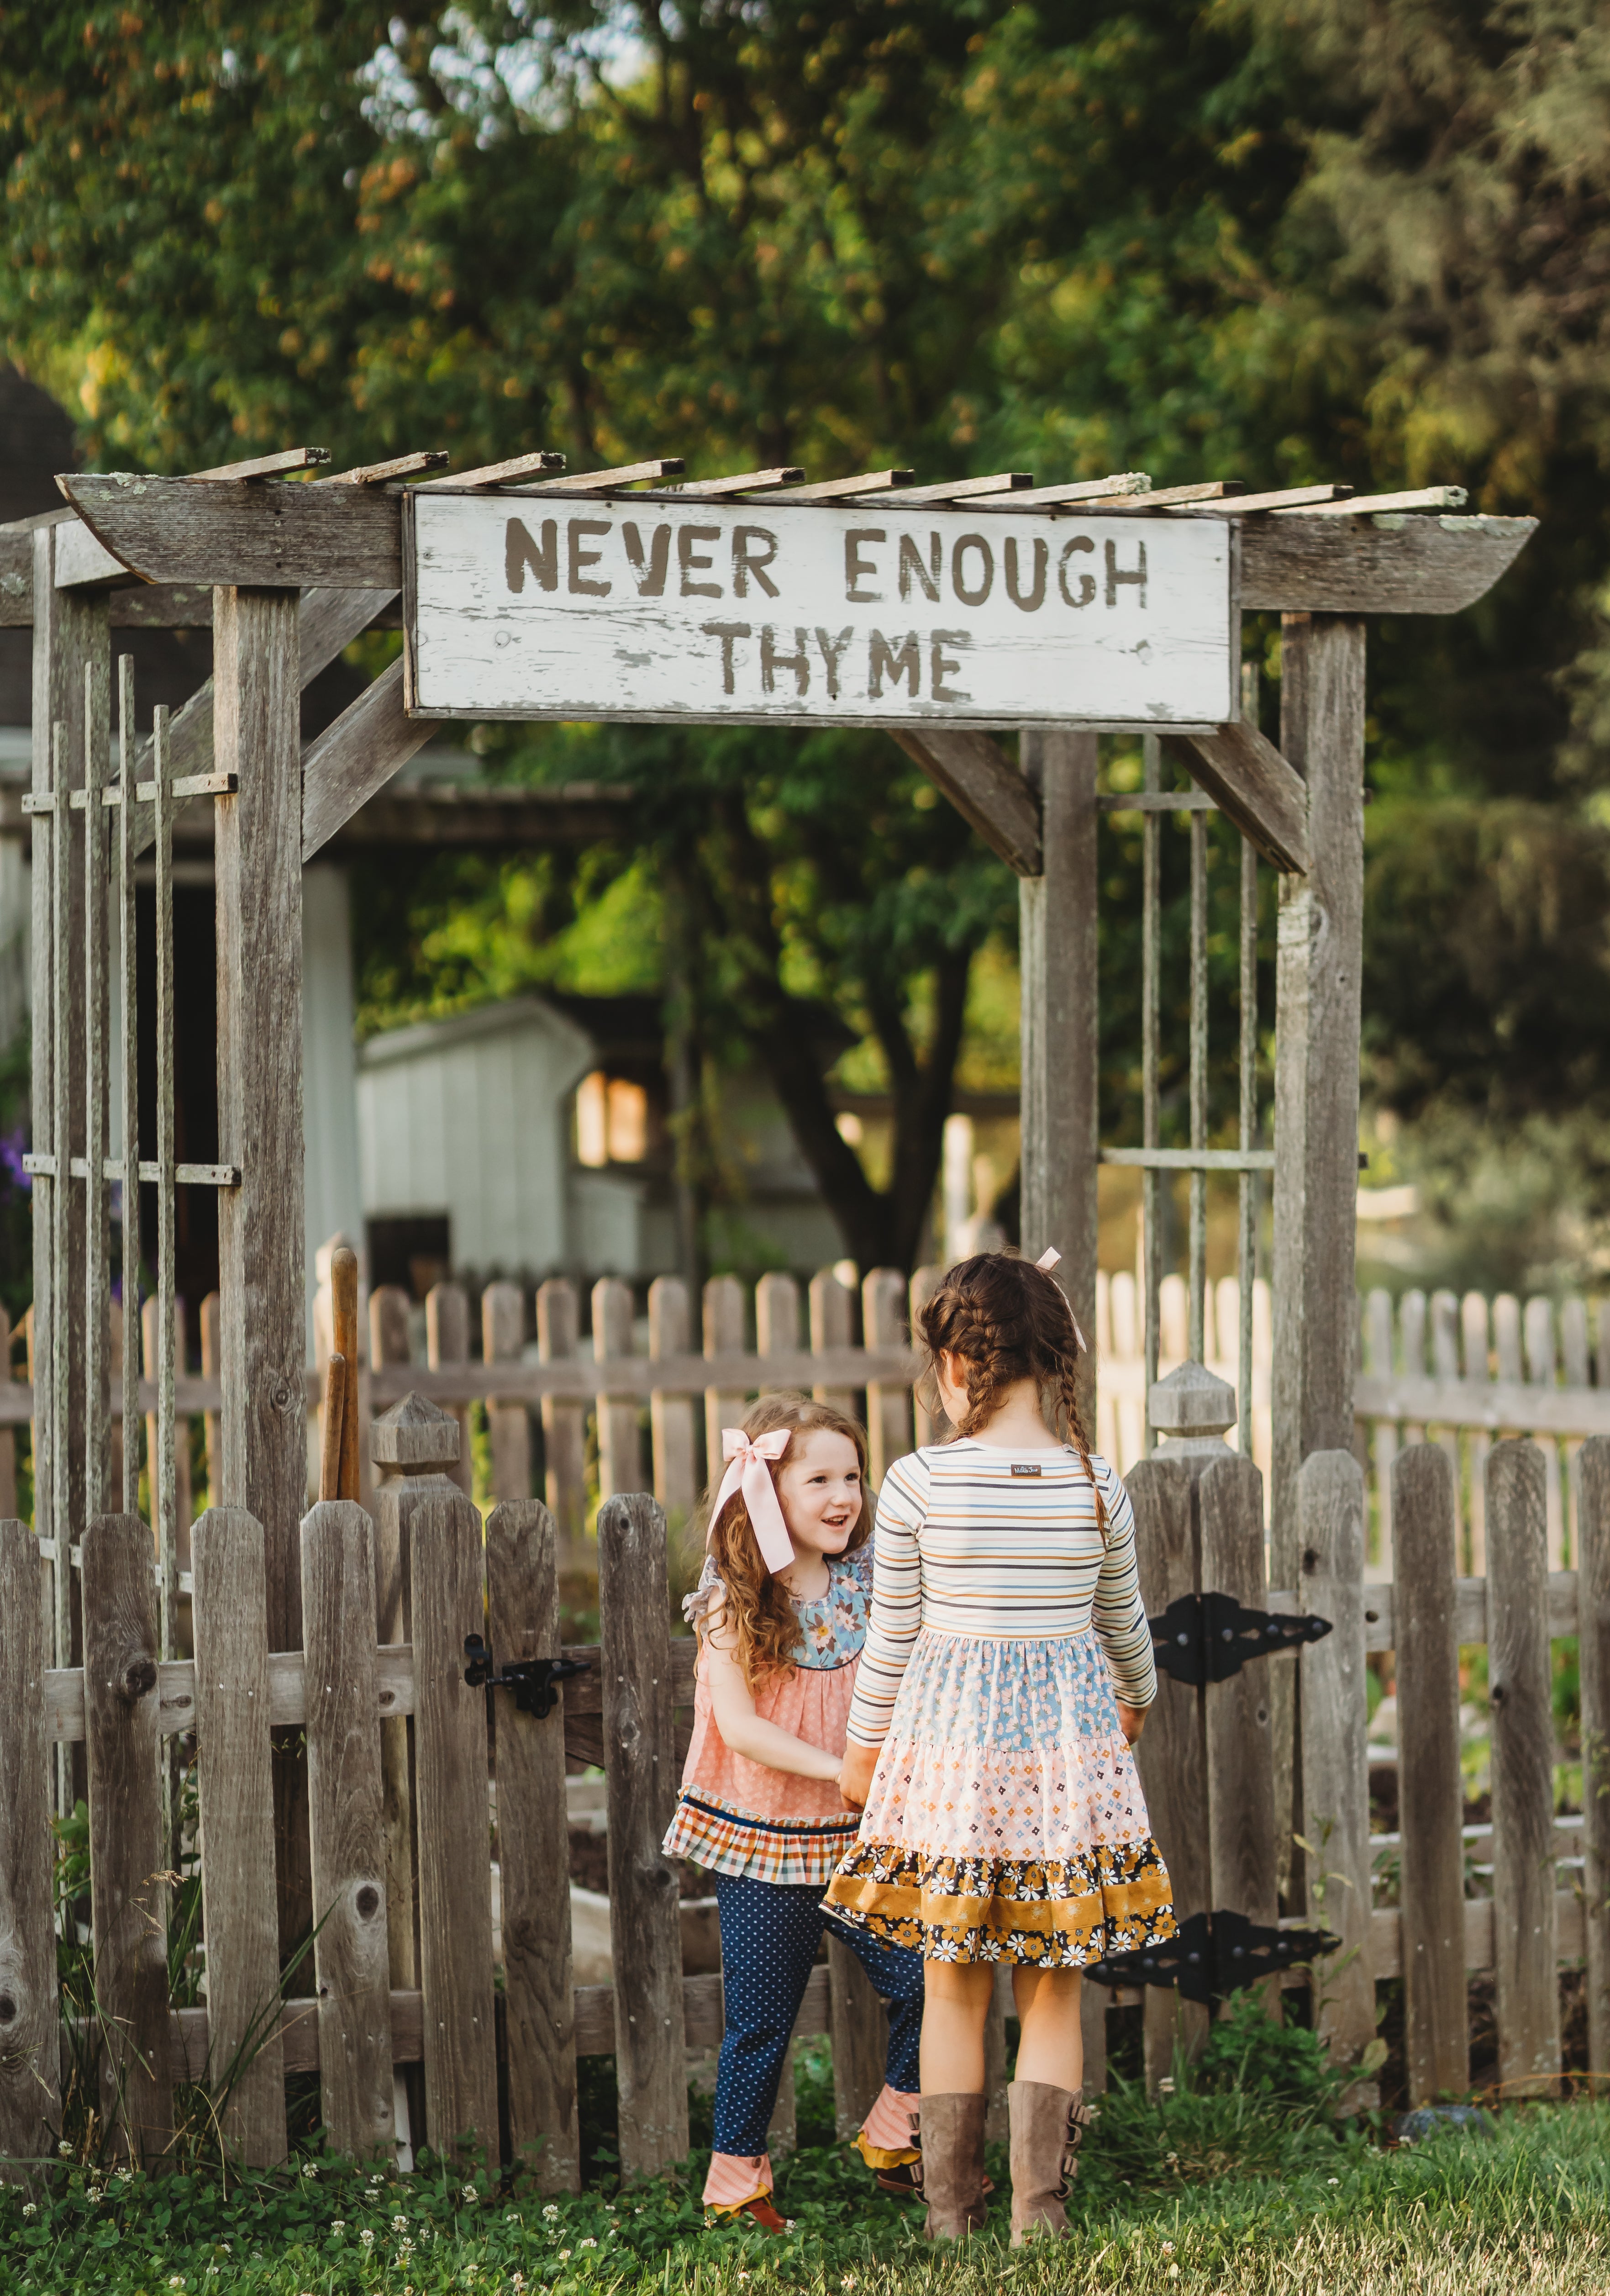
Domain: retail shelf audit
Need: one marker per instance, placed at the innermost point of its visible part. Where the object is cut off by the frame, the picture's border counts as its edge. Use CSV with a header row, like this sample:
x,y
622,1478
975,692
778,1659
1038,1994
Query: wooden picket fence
x,y
415,1782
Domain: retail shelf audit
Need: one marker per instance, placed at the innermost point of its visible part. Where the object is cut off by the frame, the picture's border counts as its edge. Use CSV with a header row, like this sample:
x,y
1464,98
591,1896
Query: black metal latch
x,y
533,1680
1213,1955
1209,1637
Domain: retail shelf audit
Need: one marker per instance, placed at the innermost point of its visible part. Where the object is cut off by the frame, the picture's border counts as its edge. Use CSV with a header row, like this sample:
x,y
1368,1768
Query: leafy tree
x,y
1326,238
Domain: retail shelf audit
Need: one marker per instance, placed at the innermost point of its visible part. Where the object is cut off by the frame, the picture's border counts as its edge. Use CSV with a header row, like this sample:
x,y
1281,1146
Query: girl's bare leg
x,y
1050,2047
956,2000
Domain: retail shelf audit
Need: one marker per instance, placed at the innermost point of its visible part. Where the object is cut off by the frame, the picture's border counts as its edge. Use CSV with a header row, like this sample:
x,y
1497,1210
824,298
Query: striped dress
x,y
1005,1821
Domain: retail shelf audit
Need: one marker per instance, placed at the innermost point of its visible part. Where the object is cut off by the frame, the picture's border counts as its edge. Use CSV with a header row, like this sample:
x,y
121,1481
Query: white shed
x,y
469,1119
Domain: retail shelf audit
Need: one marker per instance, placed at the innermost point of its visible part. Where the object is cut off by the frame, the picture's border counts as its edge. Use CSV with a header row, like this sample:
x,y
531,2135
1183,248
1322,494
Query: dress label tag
x,y
1019,1469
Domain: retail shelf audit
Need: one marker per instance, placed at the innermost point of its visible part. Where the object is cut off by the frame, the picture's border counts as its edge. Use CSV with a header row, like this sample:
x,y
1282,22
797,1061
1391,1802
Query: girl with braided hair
x,y
1006,1676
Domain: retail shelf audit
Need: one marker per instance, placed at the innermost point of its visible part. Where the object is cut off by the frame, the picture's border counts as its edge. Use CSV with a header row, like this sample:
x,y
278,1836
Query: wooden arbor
x,y
288,572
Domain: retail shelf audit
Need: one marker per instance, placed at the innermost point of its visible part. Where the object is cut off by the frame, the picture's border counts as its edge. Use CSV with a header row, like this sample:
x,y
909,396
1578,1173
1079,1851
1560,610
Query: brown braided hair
x,y
1005,1320
758,1607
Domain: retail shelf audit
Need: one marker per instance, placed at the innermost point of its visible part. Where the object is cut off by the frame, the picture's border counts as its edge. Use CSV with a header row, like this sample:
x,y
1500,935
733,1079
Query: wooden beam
x,y
948,490
496,474
356,756
380,474
1283,501
260,1231
870,482
1251,783
623,474
1166,497
741,482
1122,483
984,786
1386,565
277,535
1057,912
1416,499
266,466
1320,962
173,531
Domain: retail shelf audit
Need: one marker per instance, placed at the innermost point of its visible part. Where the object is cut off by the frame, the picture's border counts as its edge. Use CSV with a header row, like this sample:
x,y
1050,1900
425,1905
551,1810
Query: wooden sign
x,y
648,608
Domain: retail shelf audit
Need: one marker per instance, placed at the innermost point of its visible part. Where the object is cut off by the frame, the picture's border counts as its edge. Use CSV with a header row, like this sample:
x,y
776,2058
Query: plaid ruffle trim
x,y
714,1835
1050,1914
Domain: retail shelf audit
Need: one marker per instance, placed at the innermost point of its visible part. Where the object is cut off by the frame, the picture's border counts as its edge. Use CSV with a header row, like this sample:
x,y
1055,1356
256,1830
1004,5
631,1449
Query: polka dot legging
x,y
770,1932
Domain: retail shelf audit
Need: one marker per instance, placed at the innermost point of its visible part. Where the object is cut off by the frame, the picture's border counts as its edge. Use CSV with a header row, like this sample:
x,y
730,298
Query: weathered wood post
x,y
1524,1927
262,1347
638,1759
346,1813
522,1609
245,2069
412,1446
1593,1627
1318,974
1057,914
1336,1776
1430,1788
30,2049
1191,1409
71,636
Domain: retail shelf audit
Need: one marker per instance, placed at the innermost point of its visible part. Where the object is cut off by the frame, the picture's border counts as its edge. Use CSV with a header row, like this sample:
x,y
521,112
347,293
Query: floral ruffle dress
x,y
1006,1821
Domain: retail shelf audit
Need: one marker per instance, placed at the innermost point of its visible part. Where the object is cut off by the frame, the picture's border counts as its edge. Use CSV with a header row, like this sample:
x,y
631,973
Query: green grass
x,y
1238,2182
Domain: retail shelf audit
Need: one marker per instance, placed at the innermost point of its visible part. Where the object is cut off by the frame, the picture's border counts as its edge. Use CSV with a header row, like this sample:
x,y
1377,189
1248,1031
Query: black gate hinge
x,y
533,1680
1209,1637
1214,1955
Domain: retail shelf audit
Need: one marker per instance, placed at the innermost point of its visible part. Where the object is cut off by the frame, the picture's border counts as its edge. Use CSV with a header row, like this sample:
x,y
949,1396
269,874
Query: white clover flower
x,y
310,2168
470,2195
339,2225
564,2255
66,2151
1168,2248
551,2210
367,2237
588,2243
175,2280
399,2224
405,2247
30,2209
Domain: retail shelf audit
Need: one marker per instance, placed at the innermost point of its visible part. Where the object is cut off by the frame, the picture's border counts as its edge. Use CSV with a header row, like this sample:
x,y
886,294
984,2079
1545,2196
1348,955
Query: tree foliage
x,y
1360,239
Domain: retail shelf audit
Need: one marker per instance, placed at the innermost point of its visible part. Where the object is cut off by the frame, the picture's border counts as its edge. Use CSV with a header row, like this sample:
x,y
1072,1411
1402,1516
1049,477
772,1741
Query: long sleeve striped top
x,y
977,1541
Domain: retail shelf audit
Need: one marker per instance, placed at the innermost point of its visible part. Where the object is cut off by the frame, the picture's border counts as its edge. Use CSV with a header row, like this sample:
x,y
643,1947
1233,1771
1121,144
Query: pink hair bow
x,y
1052,1258
746,1471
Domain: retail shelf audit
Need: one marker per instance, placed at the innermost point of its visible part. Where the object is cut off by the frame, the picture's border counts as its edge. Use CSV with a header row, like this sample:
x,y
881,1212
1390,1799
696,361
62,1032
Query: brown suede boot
x,y
951,2136
1048,2125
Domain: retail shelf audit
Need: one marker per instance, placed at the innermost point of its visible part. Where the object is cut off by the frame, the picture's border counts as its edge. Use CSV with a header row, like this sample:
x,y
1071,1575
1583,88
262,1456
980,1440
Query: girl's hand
x,y
1131,1721
855,1776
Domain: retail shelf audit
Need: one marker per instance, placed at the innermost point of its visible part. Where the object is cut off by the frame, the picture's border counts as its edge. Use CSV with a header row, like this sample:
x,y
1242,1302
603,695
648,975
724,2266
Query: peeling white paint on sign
x,y
548,607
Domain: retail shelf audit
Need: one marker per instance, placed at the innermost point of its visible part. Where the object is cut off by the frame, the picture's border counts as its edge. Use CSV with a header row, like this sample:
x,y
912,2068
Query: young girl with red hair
x,y
781,1611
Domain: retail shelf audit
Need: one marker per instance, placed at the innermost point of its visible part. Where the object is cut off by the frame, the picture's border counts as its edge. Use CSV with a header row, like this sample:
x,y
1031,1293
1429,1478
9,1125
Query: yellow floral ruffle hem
x,y
1049,1913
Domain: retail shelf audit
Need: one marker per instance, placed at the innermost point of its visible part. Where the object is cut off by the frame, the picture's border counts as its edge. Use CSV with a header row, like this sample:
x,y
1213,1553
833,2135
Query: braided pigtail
x,y
1005,1319
1068,1409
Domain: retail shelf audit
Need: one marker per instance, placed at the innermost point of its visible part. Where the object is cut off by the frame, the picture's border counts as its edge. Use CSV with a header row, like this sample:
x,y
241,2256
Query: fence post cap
x,y
1192,1405
414,1433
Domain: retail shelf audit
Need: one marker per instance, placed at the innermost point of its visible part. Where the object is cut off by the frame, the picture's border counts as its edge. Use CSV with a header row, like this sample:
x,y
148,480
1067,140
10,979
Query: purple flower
x,y
13,1146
